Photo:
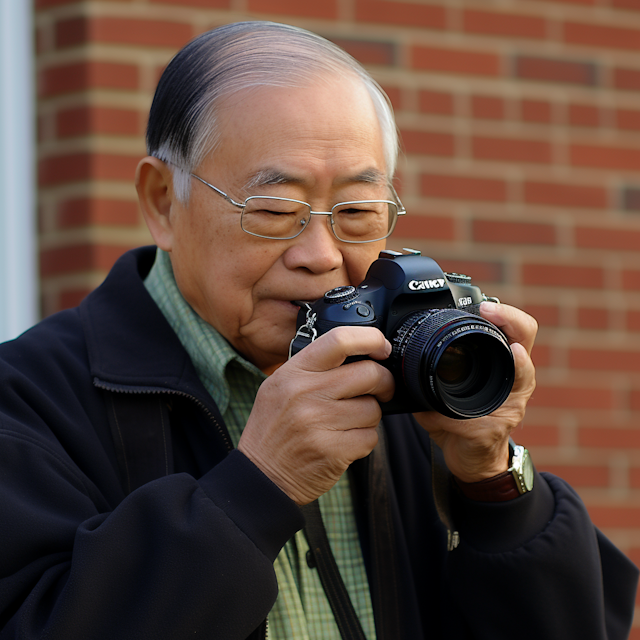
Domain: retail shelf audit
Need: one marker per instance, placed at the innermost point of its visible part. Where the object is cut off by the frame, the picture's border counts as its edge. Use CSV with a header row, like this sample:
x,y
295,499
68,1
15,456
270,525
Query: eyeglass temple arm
x,y
401,210
218,191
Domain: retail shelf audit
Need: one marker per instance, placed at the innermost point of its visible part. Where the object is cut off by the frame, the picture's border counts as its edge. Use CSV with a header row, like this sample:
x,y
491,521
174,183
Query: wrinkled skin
x,y
312,417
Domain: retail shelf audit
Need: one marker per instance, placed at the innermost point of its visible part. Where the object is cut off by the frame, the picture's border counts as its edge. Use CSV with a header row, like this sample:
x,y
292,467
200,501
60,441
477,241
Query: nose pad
x,y
317,249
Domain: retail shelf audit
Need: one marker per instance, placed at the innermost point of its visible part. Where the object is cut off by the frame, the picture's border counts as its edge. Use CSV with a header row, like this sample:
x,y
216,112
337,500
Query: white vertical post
x,y
18,272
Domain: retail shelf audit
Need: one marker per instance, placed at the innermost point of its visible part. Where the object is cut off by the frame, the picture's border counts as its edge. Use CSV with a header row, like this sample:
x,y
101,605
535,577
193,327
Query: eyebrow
x,y
274,176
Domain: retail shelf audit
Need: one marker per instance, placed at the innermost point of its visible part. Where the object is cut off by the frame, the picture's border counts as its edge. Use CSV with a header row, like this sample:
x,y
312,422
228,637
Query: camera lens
x,y
454,362
455,365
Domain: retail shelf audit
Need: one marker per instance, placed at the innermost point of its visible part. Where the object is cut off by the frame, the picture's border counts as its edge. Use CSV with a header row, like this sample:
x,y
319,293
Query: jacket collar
x,y
129,341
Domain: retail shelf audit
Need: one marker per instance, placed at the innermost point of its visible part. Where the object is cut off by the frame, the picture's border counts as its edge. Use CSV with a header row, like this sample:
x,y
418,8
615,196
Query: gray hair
x,y
182,126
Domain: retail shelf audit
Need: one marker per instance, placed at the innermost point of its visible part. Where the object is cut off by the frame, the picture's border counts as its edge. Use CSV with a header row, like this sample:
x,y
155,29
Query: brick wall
x,y
521,128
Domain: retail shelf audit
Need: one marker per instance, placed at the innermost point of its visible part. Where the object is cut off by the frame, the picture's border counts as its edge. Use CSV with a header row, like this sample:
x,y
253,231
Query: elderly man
x,y
159,453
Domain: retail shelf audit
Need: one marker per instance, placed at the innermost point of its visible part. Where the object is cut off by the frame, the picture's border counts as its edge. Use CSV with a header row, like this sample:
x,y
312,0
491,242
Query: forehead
x,y
325,131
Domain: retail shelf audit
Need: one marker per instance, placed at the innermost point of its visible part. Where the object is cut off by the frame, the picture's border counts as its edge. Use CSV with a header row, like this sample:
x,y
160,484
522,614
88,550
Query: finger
x,y
525,378
517,325
363,378
331,349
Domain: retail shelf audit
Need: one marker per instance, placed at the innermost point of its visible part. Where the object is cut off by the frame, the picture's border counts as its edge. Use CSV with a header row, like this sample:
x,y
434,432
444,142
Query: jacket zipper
x,y
154,390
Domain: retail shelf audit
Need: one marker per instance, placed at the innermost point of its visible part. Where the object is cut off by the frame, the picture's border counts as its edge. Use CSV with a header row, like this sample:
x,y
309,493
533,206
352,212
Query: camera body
x,y
432,320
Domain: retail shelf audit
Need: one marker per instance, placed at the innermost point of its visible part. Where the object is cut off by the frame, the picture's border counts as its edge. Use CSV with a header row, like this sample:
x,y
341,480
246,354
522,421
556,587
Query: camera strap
x,y
332,583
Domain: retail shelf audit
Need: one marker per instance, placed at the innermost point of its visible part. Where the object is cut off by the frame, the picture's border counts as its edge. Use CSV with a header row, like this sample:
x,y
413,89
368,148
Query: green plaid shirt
x,y
301,611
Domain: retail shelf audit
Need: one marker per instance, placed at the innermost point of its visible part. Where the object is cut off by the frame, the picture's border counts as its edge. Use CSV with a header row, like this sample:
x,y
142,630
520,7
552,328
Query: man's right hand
x,y
313,417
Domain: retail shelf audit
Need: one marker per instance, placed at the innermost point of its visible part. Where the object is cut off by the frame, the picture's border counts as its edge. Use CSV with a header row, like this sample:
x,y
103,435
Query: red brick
x,y
425,227
598,35
614,239
504,24
463,187
480,271
634,479
326,9
535,111
71,298
583,2
457,61
627,79
631,199
631,280
591,155
603,438
411,14
633,320
593,318
369,51
634,556
487,107
428,143
395,95
86,166
80,76
551,70
628,119
604,360
78,259
83,212
565,195
154,33
633,5
620,517
205,4
511,149
541,355
559,397
580,475
534,435
634,400
547,315
583,115
557,275
502,232
87,120
436,102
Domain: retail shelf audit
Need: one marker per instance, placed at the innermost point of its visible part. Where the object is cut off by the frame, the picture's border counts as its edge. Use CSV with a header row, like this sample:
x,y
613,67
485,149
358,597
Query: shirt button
x,y
311,561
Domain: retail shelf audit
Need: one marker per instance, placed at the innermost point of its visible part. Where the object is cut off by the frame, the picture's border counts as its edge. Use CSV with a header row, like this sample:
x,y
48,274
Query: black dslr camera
x,y
445,356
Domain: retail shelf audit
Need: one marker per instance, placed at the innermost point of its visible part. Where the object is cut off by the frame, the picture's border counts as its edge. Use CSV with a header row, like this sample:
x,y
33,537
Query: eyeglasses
x,y
358,221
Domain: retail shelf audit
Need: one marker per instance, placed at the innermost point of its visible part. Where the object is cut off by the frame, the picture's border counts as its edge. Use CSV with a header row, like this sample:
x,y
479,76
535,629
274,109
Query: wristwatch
x,y
514,482
521,468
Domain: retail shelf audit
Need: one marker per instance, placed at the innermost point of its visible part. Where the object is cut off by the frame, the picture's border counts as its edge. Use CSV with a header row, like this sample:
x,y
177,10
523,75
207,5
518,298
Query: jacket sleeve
x,y
536,567
176,557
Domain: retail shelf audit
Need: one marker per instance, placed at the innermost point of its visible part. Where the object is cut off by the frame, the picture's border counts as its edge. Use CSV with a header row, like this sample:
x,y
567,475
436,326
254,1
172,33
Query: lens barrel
x,y
454,362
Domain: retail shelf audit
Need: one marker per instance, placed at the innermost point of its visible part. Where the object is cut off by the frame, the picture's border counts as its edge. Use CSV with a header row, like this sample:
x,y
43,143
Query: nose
x,y
316,249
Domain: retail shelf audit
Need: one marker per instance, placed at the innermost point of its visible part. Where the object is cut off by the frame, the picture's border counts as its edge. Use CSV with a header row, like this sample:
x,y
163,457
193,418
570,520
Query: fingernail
x,y
388,348
488,307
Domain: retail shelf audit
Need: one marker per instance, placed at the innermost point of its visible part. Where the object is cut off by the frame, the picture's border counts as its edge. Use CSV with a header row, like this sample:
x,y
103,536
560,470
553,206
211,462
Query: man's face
x,y
320,144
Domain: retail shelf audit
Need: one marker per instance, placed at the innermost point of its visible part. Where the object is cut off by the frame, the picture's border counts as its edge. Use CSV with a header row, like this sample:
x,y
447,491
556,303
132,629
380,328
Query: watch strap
x,y
500,488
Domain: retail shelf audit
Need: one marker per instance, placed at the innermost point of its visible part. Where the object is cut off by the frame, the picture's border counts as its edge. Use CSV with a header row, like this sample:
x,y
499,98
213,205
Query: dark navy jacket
x,y
91,548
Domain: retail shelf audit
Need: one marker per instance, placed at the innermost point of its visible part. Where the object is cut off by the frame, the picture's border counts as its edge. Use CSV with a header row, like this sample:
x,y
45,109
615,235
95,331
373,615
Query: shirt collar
x,y
208,350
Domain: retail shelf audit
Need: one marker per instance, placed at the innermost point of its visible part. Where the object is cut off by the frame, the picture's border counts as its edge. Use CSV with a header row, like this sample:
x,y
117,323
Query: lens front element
x,y
455,362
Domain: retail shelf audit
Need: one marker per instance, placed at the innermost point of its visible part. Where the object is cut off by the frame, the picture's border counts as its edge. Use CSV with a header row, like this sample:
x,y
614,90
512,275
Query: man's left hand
x,y
478,449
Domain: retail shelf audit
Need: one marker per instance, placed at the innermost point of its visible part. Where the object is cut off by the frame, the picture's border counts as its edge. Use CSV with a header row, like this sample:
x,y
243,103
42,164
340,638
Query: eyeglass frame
x,y
401,211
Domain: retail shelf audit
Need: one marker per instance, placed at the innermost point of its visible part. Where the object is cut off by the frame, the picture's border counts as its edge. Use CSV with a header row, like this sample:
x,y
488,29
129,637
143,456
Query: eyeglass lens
x,y
352,221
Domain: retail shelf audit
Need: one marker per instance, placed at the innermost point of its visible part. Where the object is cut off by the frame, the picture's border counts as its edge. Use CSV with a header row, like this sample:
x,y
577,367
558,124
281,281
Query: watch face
x,y
527,471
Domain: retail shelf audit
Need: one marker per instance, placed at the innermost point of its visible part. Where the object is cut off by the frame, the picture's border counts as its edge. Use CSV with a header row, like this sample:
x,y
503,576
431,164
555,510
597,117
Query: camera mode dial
x,y
340,295
458,278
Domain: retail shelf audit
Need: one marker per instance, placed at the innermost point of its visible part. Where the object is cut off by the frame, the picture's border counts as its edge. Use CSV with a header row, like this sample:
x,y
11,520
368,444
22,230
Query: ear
x,y
154,183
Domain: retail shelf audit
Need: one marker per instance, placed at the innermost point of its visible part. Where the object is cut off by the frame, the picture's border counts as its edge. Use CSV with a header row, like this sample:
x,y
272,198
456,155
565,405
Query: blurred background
x,y
520,122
